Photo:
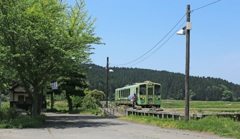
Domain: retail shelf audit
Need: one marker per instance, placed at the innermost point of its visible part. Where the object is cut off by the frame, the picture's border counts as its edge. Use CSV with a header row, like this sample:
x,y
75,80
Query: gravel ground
x,y
78,126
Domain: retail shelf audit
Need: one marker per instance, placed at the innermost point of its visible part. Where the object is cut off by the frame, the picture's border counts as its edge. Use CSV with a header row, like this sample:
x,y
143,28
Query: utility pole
x,y
107,70
187,65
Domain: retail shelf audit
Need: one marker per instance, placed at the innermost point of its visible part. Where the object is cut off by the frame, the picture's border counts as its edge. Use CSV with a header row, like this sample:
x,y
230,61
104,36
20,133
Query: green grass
x,y
202,106
220,126
62,106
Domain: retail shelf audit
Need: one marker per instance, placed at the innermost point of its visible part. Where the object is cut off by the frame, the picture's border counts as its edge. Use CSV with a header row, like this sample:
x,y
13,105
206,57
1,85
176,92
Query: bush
x,y
77,101
9,118
25,121
89,102
8,114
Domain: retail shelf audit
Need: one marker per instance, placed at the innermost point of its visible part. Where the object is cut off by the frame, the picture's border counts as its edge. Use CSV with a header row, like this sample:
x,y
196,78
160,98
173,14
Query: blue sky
x,y
130,28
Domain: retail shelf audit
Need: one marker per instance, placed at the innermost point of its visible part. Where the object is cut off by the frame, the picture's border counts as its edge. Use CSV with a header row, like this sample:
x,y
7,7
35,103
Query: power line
x,y
164,38
206,5
155,44
159,46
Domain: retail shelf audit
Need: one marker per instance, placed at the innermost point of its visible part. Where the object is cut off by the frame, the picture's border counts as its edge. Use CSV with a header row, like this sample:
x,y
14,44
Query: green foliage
x,y
98,95
227,95
201,88
25,121
5,105
9,118
61,106
89,102
38,38
8,114
77,101
220,126
92,99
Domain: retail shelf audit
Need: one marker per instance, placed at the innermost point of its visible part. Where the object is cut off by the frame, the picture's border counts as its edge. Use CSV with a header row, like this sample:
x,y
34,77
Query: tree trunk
x,y
36,109
70,107
52,101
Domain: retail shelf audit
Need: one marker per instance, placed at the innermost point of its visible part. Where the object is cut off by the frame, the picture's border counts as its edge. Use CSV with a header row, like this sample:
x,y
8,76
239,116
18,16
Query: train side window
x,y
157,90
142,90
119,95
150,91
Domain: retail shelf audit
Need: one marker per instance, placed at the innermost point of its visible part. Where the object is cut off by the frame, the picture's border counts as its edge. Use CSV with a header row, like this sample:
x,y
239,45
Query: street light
x,y
186,31
182,31
107,71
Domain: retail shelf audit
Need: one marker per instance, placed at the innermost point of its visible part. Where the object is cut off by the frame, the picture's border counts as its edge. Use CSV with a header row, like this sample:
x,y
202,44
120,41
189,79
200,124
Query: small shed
x,y
20,99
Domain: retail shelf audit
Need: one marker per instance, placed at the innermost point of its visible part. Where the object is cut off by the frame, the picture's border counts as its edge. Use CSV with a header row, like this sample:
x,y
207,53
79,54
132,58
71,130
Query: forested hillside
x,y
173,84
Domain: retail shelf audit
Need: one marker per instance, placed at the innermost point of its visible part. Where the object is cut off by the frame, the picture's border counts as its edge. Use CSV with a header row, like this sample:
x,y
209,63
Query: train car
x,y
146,94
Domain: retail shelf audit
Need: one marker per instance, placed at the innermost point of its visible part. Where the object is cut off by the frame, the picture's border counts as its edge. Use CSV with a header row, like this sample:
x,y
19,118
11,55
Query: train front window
x,y
142,90
150,91
157,90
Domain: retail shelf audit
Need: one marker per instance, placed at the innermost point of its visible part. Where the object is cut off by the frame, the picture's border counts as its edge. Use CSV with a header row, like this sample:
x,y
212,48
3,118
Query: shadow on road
x,y
61,121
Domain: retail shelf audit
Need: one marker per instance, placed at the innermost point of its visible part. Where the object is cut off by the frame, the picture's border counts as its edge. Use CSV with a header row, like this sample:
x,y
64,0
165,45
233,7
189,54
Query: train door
x,y
142,95
157,94
150,95
137,97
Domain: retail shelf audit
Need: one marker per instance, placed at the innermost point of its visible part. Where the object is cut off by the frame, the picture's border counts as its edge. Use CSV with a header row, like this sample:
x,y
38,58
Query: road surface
x,y
78,126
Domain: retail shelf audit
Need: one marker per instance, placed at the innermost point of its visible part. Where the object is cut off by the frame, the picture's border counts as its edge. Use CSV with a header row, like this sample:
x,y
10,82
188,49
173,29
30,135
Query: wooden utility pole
x,y
187,66
107,70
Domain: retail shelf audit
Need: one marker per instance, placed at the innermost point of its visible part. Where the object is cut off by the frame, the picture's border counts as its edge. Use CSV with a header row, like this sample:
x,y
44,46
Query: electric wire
x,y
206,5
159,46
154,45
163,38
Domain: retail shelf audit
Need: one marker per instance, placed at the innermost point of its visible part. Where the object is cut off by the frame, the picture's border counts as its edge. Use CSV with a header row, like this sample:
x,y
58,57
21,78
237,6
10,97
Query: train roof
x,y
137,84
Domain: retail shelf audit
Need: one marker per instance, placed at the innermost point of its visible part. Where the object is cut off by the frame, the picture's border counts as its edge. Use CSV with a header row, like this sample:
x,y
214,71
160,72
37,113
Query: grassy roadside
x,y
219,126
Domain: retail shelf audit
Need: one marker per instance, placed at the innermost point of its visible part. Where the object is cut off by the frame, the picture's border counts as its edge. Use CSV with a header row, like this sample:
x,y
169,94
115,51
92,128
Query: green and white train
x,y
148,94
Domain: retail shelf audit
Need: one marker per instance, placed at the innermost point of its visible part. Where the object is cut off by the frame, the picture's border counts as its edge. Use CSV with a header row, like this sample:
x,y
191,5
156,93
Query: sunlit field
x,y
201,106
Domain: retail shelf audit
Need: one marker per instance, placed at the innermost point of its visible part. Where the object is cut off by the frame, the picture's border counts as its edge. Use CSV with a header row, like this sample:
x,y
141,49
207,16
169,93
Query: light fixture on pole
x,y
186,31
182,31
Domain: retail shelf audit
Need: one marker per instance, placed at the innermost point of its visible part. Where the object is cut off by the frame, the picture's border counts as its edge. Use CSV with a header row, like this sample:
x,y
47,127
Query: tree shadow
x,y
62,121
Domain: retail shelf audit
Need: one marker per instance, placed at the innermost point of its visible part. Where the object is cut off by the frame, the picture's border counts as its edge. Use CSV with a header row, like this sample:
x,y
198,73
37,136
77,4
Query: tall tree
x,y
73,83
39,37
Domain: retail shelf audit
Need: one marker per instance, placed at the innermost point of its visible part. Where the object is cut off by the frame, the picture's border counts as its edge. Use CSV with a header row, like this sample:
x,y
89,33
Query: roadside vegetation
x,y
87,104
211,124
10,118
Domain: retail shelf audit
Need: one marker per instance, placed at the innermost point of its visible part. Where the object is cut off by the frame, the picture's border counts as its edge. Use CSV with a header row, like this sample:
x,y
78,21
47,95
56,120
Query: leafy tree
x,y
227,95
73,83
40,37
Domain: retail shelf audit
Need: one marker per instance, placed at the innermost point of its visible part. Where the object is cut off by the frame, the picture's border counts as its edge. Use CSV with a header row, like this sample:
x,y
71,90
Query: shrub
x,y
89,102
8,114
9,118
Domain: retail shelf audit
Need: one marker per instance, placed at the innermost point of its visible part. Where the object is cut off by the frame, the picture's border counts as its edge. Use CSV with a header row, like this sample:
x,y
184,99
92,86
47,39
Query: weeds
x,y
9,118
220,126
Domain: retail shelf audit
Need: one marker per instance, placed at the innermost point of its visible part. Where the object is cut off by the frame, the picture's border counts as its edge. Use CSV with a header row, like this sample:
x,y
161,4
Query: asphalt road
x,y
78,126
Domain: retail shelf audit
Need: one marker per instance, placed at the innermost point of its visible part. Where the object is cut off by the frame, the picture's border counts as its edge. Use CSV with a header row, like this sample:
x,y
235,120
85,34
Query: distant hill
x,y
173,84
